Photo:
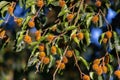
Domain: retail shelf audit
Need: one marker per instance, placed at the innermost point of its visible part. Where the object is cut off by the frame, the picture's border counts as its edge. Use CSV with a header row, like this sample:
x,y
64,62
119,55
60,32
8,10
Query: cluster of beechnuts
x,y
99,66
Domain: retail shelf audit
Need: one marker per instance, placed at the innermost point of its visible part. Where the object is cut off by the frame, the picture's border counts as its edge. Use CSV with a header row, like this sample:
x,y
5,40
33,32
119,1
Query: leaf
x,y
84,62
100,21
66,24
48,49
3,3
111,46
77,52
65,38
63,12
91,75
114,34
88,22
26,22
50,1
32,61
29,3
76,40
100,77
3,10
55,3
87,37
102,37
52,61
59,51
33,51
64,19
70,28
20,46
73,32
33,44
83,16
19,37
21,3
88,19
33,10
110,68
116,41
1,21
111,58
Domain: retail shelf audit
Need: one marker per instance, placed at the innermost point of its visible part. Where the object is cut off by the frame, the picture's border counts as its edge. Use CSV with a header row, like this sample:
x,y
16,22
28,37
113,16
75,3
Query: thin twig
x,y
118,59
105,20
36,14
72,6
54,74
45,31
76,63
58,37
78,13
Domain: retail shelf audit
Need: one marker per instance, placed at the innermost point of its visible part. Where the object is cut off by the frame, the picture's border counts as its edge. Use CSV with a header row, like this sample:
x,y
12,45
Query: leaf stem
x,y
118,59
54,74
108,25
76,63
78,13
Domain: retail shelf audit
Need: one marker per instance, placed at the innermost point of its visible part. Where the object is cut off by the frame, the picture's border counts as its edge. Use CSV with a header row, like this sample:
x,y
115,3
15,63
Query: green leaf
x,y
33,51
100,77
29,3
66,38
19,37
50,1
73,32
1,21
66,24
55,3
84,62
102,37
3,10
111,45
77,52
70,28
111,58
88,19
3,3
33,10
100,21
116,41
33,44
52,61
21,3
20,46
114,34
59,51
63,12
32,61
91,75
76,40
110,68
26,22
48,49
87,37
88,22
